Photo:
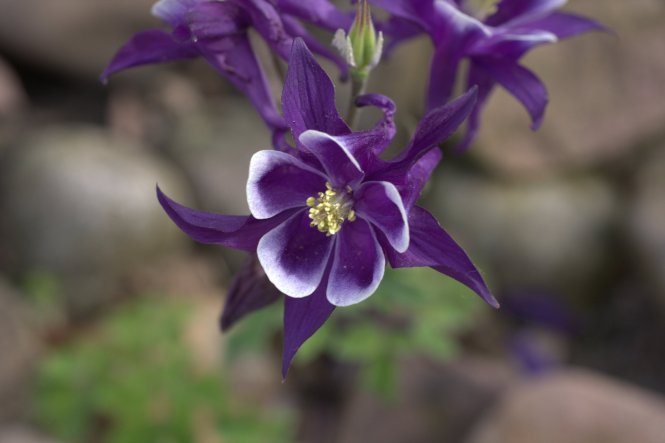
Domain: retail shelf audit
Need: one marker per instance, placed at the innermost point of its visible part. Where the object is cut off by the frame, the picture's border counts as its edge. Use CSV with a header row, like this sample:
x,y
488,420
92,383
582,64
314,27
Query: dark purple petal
x,y
522,84
212,20
420,12
279,181
296,29
308,98
564,25
233,231
268,22
480,78
384,130
512,12
294,255
146,47
436,126
443,73
380,204
250,291
302,318
431,246
358,264
341,167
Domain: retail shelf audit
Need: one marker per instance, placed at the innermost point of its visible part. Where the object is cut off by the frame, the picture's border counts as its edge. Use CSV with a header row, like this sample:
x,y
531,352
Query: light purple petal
x,y
147,47
308,98
432,246
380,204
513,12
239,232
279,181
173,12
250,291
522,84
358,264
302,318
341,167
513,44
318,12
564,25
294,255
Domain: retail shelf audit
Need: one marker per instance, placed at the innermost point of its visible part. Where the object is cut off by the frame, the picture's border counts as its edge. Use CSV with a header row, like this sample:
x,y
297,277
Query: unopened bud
x,y
363,46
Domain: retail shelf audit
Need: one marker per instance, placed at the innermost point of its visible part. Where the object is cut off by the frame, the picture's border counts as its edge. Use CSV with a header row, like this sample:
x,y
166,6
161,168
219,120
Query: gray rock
x,y
76,36
22,434
19,347
434,402
646,221
549,234
82,206
574,407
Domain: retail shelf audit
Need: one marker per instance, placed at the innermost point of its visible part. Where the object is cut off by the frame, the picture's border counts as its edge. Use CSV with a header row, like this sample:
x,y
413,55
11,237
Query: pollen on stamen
x,y
331,209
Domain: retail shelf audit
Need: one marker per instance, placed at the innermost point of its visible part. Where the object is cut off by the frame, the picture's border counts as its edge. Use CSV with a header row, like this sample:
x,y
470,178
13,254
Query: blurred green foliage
x,y
414,311
132,379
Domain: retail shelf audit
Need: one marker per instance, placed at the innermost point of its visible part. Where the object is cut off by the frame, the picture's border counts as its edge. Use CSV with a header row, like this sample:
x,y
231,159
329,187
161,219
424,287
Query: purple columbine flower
x,y
493,35
218,32
327,215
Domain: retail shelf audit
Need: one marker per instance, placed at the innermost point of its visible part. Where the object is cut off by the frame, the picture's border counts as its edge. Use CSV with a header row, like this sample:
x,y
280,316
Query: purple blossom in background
x,y
492,35
328,214
218,32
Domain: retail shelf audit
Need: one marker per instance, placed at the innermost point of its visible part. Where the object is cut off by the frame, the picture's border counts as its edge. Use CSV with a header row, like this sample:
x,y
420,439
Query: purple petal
x,y
279,181
296,29
173,12
480,78
512,12
268,22
250,291
436,126
308,98
512,44
358,264
443,74
380,204
294,255
565,25
341,167
318,12
384,130
432,246
302,318
233,231
146,47
522,84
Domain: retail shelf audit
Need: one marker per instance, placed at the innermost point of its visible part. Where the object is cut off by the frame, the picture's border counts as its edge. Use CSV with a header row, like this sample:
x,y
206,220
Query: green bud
x,y
363,46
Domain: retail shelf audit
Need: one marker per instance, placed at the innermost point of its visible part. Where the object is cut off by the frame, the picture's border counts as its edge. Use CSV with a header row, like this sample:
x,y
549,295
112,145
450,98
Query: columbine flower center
x,y
330,209
481,9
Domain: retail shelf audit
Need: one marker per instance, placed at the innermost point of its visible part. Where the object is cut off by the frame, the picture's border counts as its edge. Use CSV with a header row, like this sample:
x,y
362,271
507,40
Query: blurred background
x,y
109,315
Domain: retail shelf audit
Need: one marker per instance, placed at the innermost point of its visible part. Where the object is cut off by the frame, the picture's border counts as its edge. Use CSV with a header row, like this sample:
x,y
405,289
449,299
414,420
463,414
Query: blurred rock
x,y
22,434
75,36
12,95
433,403
214,146
82,206
574,407
19,347
606,95
549,234
646,221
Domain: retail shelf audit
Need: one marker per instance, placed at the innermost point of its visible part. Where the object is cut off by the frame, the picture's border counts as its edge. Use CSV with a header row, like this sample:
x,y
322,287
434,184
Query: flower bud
x,y
363,46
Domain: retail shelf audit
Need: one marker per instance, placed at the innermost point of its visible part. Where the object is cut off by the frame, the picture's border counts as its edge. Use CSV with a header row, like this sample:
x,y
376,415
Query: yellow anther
x,y
329,211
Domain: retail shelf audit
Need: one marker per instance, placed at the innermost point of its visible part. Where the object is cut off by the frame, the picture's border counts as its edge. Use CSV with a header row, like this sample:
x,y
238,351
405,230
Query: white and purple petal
x,y
173,12
340,165
381,204
279,181
515,12
432,246
564,25
294,255
358,264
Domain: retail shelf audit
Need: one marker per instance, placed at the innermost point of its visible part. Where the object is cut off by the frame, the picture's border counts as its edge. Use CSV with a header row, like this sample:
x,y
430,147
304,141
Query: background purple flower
x,y
493,36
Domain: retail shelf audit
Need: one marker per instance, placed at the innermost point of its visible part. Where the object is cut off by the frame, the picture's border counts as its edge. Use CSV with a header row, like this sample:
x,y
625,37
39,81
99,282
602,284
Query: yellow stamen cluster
x,y
330,209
